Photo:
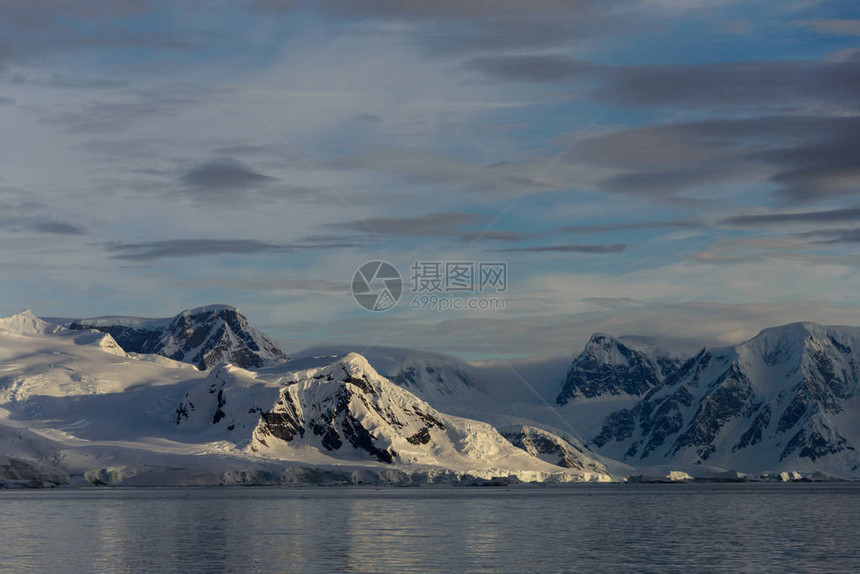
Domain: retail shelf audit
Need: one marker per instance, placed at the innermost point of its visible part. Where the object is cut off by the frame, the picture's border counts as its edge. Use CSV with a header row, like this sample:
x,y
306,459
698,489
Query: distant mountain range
x,y
75,407
788,398
204,336
123,391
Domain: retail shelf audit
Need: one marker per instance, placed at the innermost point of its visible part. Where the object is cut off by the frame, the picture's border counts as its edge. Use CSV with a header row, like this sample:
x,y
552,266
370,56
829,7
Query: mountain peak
x,y
217,308
607,366
202,336
26,323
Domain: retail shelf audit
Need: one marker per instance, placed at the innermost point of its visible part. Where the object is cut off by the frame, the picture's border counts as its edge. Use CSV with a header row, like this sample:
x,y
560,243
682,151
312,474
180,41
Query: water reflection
x,y
587,528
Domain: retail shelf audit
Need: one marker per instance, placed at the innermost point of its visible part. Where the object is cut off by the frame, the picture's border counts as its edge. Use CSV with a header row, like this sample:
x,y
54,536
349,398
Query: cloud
x,y
67,81
476,25
223,173
41,14
444,224
750,84
831,26
805,158
572,248
841,215
683,326
447,9
424,168
496,235
533,68
127,107
427,225
31,216
630,226
303,286
178,248
835,235
725,84
846,55
35,29
57,227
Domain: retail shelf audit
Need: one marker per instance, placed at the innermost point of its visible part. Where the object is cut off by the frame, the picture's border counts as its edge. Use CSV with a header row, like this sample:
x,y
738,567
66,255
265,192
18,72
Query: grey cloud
x,y
37,14
36,28
250,149
846,55
630,226
476,25
831,26
57,227
810,158
533,68
496,235
848,214
221,173
179,248
311,286
729,84
29,216
423,168
127,107
614,302
448,10
833,236
668,183
446,224
572,248
369,118
431,224
734,84
683,326
710,258
71,82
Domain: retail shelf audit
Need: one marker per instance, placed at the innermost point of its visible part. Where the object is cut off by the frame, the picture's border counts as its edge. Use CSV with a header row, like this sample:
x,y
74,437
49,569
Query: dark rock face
x,y
780,392
203,337
609,367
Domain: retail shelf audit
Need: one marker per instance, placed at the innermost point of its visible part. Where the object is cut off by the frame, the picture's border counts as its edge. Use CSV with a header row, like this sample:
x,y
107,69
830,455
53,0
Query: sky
x,y
684,171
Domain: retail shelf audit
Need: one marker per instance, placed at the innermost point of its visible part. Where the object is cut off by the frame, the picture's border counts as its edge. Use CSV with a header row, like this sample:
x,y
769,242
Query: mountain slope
x,y
75,407
204,336
348,411
552,448
786,399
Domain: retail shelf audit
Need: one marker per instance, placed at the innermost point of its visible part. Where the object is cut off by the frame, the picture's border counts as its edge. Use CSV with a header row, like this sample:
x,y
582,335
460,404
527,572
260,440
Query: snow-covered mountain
x,y
786,399
76,408
331,411
204,336
608,366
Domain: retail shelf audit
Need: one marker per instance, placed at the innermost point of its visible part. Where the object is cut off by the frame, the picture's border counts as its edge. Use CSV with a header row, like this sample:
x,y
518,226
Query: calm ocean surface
x,y
582,528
